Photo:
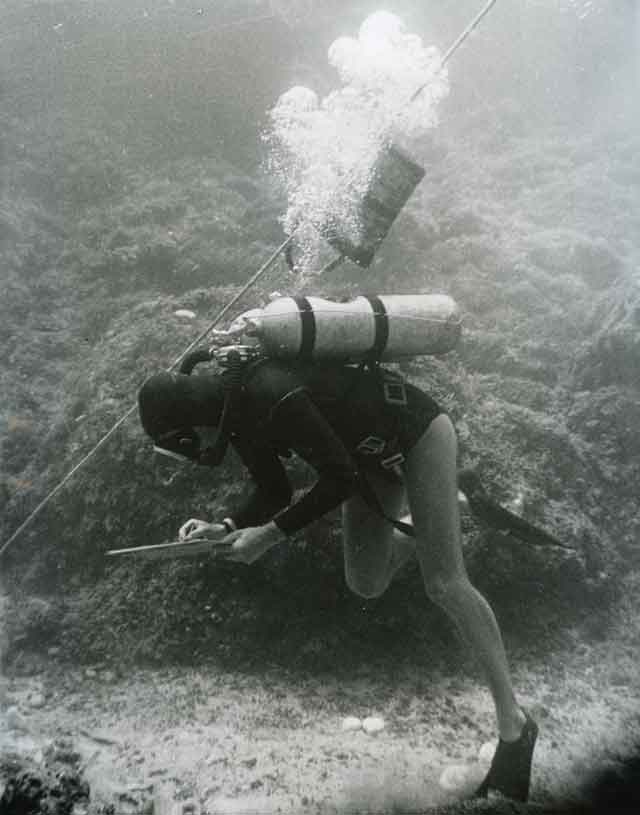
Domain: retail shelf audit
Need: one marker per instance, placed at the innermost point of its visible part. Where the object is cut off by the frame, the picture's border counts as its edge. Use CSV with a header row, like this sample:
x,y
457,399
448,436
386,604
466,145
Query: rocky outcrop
x,y
53,785
611,357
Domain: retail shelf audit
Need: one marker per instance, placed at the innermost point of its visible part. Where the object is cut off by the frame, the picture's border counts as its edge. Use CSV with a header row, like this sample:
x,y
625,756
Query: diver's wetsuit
x,y
340,419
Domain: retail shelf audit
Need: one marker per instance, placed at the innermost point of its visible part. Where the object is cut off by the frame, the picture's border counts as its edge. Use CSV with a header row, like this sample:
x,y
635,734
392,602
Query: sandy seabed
x,y
207,740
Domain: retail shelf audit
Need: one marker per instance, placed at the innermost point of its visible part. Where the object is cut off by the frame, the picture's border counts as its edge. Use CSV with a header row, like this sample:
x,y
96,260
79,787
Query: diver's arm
x,y
272,490
297,419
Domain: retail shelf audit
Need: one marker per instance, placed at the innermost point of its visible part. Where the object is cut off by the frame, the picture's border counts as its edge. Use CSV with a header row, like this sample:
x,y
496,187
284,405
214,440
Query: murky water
x,y
153,153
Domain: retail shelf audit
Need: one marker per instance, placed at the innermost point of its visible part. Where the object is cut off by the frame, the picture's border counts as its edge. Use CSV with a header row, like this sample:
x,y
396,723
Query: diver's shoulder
x,y
273,375
272,365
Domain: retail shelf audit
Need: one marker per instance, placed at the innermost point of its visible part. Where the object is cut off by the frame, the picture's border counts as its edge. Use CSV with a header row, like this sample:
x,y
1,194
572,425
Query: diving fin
x,y
494,514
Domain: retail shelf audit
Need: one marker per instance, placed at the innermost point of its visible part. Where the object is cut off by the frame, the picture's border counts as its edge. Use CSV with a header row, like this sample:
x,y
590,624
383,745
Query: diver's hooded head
x,y
169,402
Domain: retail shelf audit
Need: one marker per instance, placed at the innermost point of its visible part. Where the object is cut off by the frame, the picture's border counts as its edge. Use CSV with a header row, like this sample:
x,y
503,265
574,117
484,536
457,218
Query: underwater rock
x,y
611,356
596,263
164,799
43,789
37,700
4,689
15,720
564,251
608,417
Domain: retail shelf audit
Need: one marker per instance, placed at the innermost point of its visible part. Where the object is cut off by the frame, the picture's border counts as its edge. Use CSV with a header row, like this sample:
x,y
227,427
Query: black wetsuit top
x,y
340,419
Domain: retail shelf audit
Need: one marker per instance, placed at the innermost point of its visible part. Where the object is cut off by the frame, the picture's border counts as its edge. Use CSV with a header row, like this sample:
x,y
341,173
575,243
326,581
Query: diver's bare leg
x,y
404,548
430,475
373,550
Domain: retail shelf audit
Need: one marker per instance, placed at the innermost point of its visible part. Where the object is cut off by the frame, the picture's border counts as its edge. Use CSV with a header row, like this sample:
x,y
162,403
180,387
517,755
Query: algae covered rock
x,y
611,355
54,786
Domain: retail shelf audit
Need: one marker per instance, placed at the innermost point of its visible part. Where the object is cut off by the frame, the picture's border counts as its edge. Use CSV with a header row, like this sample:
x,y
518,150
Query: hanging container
x,y
393,179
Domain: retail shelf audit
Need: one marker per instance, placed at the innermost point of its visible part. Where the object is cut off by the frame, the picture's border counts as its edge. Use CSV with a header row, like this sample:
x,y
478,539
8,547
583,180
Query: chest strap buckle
x,y
395,393
392,462
372,446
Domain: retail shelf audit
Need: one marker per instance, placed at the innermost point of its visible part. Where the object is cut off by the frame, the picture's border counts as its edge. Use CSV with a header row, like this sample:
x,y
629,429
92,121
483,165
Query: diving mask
x,y
180,445
187,445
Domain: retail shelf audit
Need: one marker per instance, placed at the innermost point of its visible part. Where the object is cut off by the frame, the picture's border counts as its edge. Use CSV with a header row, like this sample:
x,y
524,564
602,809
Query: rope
x,y
262,270
333,264
456,44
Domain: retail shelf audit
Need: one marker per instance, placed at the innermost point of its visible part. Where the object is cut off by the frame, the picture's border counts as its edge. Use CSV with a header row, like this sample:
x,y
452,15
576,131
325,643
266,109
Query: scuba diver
x,y
377,444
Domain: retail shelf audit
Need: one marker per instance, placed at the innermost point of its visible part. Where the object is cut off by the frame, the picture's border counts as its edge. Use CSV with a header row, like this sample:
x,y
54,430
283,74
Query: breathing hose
x,y
212,456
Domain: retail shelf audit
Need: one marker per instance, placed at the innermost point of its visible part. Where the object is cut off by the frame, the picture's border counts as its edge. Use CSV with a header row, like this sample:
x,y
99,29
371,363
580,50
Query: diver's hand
x,y
194,528
253,541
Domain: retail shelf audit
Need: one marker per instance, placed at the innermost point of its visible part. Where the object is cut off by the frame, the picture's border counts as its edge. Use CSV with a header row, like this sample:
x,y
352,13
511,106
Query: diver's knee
x,y
442,429
447,590
367,586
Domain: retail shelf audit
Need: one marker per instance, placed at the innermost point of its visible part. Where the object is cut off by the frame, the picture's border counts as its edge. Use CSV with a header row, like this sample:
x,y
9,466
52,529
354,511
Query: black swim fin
x,y
492,513
510,771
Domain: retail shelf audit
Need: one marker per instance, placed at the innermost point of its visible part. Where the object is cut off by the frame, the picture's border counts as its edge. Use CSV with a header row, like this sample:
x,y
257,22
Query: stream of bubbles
x,y
322,150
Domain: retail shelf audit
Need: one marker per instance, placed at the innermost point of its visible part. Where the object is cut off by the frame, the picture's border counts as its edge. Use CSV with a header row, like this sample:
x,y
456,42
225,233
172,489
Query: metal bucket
x,y
394,177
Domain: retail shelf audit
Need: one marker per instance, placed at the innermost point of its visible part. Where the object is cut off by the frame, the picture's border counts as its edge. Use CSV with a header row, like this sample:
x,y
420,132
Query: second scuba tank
x,y
385,327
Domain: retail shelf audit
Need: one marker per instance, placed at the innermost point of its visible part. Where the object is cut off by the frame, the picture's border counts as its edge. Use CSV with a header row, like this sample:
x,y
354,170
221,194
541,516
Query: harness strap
x,y
308,327
381,323
370,496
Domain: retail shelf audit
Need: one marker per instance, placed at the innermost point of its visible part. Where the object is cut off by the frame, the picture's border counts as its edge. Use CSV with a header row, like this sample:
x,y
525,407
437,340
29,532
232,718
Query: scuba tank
x,y
386,327
366,329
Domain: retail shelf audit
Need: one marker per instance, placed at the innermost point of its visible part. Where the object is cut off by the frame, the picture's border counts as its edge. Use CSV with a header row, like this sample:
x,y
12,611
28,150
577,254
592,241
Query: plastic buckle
x,y
392,461
372,445
395,393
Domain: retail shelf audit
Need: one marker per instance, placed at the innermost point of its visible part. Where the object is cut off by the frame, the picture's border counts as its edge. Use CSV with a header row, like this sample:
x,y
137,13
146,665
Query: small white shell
x,y
453,777
15,720
186,313
485,753
351,723
373,724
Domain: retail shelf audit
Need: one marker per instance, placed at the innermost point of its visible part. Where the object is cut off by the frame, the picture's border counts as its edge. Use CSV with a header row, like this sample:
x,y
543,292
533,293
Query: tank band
x,y
308,326
381,320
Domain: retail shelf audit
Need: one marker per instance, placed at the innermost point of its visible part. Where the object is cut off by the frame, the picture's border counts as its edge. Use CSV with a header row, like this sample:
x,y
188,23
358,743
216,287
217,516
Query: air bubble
x,y
323,150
